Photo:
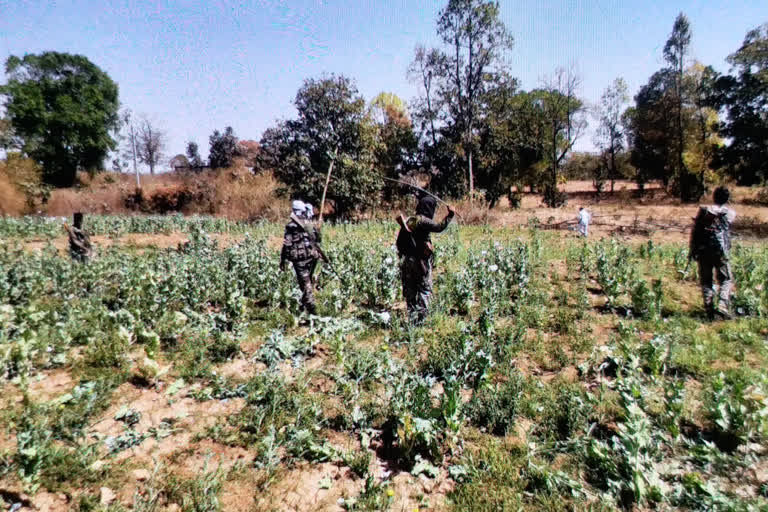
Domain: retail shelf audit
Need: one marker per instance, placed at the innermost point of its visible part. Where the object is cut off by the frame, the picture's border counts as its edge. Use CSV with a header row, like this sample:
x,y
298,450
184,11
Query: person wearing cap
x,y
414,245
710,246
299,248
314,229
80,248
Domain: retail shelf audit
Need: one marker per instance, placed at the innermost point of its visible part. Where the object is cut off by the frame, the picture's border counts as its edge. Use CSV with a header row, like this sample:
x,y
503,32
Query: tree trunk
x,y
680,126
471,177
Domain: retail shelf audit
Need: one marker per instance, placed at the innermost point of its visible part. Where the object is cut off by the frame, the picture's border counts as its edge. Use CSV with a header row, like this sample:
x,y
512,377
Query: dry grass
x,y
12,201
242,195
235,193
624,208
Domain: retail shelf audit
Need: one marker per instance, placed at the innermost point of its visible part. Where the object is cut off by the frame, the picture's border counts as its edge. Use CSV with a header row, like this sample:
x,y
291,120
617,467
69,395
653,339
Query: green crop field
x,y
552,374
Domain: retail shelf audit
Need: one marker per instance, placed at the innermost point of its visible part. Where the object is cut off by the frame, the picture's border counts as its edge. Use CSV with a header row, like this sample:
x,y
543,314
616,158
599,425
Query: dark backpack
x,y
405,243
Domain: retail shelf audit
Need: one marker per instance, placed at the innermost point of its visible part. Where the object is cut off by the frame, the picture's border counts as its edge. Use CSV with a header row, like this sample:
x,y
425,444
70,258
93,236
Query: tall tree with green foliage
x,y
676,51
193,156
397,148
610,135
650,126
223,148
333,125
511,140
475,41
62,108
702,137
744,96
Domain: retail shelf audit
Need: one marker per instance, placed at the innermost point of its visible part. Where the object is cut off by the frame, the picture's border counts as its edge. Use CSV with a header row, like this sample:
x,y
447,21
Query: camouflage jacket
x,y
421,229
298,243
712,231
79,243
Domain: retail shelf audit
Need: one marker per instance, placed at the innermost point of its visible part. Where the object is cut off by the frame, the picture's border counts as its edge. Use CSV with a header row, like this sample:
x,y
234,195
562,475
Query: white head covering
x,y
298,207
309,211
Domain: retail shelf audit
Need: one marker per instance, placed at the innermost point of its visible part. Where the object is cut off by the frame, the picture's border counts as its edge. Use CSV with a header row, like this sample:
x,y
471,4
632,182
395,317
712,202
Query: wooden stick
x,y
327,181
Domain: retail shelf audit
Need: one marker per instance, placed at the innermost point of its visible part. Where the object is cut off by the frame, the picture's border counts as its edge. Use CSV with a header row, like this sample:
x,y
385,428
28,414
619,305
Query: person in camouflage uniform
x,y
299,248
709,246
80,248
414,245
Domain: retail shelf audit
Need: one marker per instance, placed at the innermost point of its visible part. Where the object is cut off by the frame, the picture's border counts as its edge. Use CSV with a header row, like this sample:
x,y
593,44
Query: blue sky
x,y
196,66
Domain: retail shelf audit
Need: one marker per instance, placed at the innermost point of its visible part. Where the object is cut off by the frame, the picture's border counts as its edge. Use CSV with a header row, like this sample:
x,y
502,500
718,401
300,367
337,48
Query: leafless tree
x,y
150,143
610,136
564,115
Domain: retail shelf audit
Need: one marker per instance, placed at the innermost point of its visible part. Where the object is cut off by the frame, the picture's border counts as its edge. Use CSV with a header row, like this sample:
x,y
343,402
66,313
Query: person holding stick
x,y
300,248
414,245
80,248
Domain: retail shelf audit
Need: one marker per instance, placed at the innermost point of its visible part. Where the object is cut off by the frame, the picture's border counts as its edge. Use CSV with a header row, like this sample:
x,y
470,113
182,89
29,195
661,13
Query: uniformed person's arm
x,y
286,247
87,241
73,240
435,227
695,241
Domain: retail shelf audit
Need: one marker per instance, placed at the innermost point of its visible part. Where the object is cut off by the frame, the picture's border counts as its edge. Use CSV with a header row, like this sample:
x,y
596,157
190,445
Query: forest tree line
x,y
471,131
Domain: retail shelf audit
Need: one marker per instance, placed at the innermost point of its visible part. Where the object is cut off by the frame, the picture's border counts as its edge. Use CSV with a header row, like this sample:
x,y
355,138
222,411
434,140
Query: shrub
x,y
495,408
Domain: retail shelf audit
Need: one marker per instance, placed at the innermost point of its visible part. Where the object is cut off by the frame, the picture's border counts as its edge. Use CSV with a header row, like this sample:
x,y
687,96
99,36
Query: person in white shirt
x,y
584,218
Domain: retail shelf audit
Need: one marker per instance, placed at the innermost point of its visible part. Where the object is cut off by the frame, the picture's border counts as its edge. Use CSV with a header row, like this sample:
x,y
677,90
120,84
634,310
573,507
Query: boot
x,y
722,312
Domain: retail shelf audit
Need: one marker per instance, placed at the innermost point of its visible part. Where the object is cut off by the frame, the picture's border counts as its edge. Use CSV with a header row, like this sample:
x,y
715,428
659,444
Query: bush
x,y
554,197
172,198
515,198
496,408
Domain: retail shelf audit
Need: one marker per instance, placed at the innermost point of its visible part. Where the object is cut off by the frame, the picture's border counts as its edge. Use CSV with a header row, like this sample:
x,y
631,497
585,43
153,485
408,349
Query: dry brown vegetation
x,y
235,193
11,198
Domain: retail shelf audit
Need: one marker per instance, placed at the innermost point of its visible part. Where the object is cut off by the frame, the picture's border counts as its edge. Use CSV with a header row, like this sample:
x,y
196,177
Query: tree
x,y
610,135
332,126
475,40
63,108
426,64
179,162
223,148
702,138
248,151
650,125
675,53
511,140
6,134
744,96
150,144
397,145
563,114
193,156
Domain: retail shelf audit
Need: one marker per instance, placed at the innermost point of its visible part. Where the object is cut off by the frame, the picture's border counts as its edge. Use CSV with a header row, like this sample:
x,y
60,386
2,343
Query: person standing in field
x,y
710,245
80,248
414,245
299,248
584,218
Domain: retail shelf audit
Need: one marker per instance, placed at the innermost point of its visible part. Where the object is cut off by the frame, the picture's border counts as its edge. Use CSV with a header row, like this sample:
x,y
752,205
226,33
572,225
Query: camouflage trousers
x,y
78,255
416,276
722,271
304,275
